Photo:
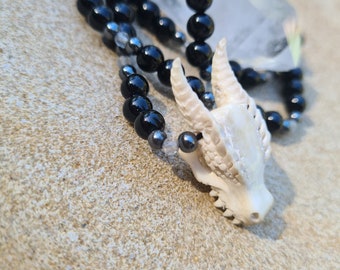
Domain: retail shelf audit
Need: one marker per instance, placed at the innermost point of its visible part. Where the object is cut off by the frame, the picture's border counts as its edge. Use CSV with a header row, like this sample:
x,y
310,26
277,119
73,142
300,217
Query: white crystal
x,y
170,147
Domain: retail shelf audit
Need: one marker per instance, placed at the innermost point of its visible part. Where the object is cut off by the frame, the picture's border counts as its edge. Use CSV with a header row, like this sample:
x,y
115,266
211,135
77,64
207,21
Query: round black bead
x,y
134,105
110,31
200,26
205,72
273,120
198,53
85,6
250,77
134,84
296,103
208,100
165,29
147,15
262,111
125,71
127,28
99,17
123,13
163,72
292,87
236,68
156,139
179,38
199,5
295,73
149,58
187,142
196,85
134,45
148,121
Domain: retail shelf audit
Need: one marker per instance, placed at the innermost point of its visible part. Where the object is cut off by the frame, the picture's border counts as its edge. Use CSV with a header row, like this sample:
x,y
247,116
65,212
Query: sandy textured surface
x,y
79,190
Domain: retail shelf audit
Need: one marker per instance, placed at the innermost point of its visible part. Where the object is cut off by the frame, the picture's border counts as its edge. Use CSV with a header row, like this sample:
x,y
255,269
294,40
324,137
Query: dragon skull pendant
x,y
235,145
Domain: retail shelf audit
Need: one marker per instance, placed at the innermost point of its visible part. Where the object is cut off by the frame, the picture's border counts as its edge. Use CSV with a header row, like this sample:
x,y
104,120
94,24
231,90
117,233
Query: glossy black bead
x,y
165,29
85,6
295,115
199,5
156,139
196,85
163,72
123,13
205,72
127,28
273,120
236,68
292,87
198,53
134,105
134,84
147,15
208,100
125,71
262,111
250,77
134,45
179,38
148,121
295,73
99,17
110,31
296,103
149,58
187,142
200,26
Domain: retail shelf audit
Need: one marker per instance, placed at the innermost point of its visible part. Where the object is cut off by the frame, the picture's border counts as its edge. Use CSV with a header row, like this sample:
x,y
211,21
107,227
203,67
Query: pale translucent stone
x,y
170,147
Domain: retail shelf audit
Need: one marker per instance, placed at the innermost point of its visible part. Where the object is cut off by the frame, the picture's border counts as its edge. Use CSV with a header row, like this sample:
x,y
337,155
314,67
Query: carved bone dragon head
x,y
235,145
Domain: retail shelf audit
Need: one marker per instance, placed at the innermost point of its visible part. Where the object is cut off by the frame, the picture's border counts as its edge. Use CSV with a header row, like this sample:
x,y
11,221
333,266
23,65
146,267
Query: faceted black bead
x,y
179,38
236,68
205,72
292,87
200,26
196,84
187,142
273,120
163,72
199,5
296,103
149,58
134,105
165,29
295,73
148,121
110,31
99,17
208,100
262,111
156,139
85,6
198,53
147,15
134,45
134,84
125,71
123,13
250,78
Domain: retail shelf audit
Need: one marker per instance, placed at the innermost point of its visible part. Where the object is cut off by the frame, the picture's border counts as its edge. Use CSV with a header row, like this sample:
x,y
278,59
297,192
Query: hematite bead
x,y
134,45
296,103
236,68
163,72
292,87
295,73
147,15
156,139
198,53
123,13
196,85
149,58
99,17
273,120
134,84
165,29
205,72
187,142
85,6
208,100
200,26
250,78
134,105
148,121
199,5
125,71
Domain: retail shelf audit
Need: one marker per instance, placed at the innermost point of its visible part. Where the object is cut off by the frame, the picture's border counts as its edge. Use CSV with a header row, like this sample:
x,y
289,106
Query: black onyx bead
x,y
295,73
200,26
196,85
250,78
123,13
85,6
236,68
208,100
187,142
147,15
199,5
292,87
296,103
262,111
127,28
149,58
179,38
165,29
205,72
134,105
134,84
134,45
110,31
273,120
148,121
156,139
163,72
99,17
198,53
125,71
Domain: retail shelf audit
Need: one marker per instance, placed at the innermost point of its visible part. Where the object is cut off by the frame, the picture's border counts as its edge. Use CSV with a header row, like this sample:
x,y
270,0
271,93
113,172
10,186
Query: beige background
x,y
79,189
